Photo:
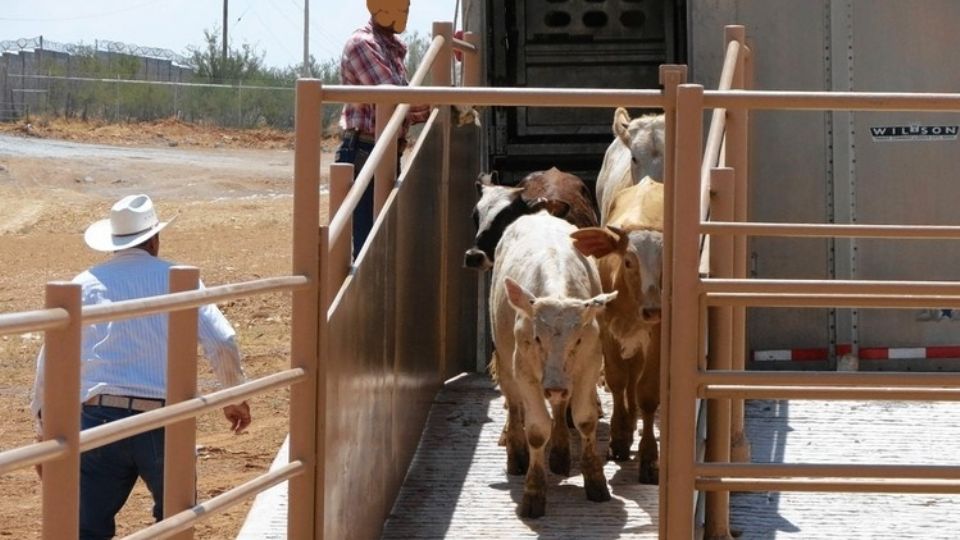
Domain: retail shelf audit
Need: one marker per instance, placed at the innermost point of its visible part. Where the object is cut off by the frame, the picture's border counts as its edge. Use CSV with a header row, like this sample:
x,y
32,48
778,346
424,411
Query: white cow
x,y
544,304
637,151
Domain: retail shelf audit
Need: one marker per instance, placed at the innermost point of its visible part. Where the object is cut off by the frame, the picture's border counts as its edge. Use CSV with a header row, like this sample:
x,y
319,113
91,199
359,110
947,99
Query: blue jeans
x,y
108,473
355,151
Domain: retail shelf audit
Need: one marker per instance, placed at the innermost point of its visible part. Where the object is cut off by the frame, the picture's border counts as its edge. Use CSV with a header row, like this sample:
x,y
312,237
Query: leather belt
x,y
362,137
125,402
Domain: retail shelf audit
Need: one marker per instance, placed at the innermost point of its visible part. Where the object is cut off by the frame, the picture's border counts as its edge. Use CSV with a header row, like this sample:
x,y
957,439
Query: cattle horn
x,y
623,238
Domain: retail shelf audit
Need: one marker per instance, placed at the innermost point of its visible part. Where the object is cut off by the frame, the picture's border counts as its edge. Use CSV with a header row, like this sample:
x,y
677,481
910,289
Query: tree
x,y
417,46
240,64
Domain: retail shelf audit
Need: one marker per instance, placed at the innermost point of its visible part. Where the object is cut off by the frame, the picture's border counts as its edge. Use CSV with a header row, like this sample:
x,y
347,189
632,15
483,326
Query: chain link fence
x,y
124,100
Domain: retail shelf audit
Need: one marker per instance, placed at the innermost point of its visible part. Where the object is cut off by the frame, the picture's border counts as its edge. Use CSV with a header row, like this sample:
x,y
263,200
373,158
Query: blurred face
x,y
390,14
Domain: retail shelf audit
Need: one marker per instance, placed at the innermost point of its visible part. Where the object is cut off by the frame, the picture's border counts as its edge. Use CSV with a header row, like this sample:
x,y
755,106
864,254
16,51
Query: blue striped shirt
x,y
129,357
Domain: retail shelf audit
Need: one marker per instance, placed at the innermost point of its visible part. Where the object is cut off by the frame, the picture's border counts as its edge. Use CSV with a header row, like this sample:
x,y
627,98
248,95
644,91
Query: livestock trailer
x,y
819,167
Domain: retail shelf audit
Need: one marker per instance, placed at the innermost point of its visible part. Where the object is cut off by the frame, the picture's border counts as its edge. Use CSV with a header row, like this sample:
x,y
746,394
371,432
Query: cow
x,y
544,304
629,252
636,152
562,194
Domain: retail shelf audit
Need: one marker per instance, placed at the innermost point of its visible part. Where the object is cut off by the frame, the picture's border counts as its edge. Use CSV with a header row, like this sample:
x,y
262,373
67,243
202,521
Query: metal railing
x,y
712,305
62,441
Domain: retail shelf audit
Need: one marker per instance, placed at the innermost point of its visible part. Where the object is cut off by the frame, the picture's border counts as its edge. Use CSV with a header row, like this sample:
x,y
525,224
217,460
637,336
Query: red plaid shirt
x,y
373,56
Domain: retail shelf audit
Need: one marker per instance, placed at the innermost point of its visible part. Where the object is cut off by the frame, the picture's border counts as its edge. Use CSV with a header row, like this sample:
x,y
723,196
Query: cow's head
x,y
634,262
645,138
556,338
498,207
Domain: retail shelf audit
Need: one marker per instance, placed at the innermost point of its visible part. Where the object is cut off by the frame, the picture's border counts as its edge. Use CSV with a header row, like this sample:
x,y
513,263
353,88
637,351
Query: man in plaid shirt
x,y
373,55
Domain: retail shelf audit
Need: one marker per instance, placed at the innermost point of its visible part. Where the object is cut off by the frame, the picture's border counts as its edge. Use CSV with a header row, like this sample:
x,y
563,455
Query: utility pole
x,y
305,72
224,56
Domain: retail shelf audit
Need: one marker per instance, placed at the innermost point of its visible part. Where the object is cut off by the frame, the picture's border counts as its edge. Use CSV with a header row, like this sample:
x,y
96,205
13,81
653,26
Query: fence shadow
x,y
757,514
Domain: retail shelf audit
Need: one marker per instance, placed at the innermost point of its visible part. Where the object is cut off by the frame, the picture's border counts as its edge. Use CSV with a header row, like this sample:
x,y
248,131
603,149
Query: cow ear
x,y
486,178
595,241
595,305
520,298
621,125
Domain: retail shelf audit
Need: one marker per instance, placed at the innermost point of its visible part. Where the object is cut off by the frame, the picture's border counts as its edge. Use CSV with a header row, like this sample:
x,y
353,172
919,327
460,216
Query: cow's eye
x,y
537,338
578,341
633,159
628,263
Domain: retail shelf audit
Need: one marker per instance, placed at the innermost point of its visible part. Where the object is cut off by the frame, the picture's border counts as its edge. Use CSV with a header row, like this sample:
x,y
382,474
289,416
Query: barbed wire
x,y
105,45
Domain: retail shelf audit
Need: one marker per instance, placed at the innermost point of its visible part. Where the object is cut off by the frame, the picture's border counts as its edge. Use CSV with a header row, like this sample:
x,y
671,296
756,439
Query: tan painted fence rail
x,y
62,320
713,306
64,442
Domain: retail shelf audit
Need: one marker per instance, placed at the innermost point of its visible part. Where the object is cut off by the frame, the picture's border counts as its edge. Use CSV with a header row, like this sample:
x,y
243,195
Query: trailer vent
x,y
557,19
594,19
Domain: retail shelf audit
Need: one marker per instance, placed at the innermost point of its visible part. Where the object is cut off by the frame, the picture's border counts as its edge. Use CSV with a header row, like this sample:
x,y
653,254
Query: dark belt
x,y
351,134
125,402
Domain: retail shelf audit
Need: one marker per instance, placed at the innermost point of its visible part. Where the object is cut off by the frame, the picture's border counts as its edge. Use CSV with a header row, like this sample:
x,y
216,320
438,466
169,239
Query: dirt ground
x,y
231,191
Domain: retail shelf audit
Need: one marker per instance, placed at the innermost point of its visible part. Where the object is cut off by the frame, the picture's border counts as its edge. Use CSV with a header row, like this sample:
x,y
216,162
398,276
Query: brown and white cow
x,y
636,152
629,250
544,304
562,194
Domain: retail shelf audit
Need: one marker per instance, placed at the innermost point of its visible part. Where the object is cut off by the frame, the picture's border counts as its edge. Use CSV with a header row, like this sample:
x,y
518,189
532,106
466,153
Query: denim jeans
x,y
355,151
108,473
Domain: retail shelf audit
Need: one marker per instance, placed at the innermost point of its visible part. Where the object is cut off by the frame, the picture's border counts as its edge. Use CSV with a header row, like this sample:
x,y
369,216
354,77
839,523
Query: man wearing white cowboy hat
x,y
124,363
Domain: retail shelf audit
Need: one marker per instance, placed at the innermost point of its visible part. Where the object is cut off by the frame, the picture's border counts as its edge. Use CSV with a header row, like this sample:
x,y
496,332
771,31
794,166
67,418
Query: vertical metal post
x,y
61,415
472,63
720,328
684,318
441,76
738,159
473,76
341,176
305,508
320,366
671,76
385,175
180,439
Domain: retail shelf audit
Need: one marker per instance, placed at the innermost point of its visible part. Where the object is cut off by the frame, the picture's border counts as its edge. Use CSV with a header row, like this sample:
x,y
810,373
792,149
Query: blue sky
x,y
274,27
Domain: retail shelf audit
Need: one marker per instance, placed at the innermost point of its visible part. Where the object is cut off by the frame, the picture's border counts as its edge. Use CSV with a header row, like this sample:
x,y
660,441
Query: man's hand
x,y
238,416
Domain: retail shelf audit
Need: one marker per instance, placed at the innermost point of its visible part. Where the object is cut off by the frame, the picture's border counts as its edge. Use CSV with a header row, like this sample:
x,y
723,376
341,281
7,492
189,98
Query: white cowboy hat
x,y
132,221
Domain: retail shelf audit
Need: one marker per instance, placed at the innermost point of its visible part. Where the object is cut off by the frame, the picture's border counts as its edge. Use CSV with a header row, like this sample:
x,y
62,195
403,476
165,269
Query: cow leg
x,y
537,427
512,436
560,440
585,414
518,457
649,400
623,420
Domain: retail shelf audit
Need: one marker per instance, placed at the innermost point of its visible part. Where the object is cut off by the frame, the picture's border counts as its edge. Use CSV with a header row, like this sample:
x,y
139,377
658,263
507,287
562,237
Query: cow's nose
x,y
555,394
474,258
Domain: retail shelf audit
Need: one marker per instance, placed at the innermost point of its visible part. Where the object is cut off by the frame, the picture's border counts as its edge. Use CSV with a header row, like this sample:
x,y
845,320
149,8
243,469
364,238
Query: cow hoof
x,y
533,505
597,491
517,462
619,450
649,474
560,460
